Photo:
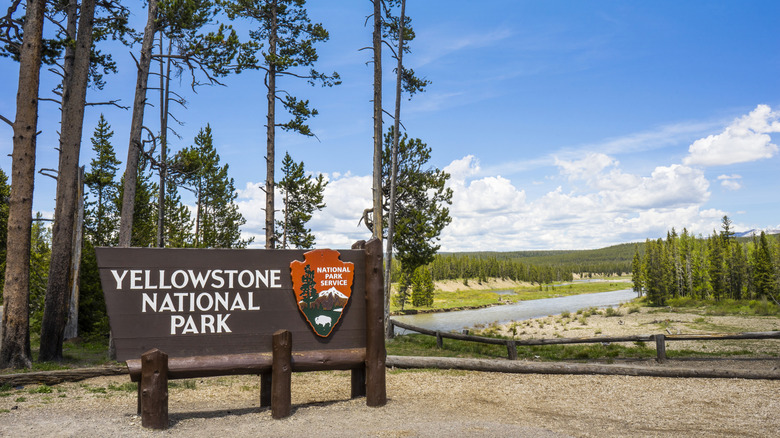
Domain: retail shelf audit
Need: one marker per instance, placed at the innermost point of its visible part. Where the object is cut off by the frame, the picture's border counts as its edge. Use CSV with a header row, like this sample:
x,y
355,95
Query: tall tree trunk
x,y
57,290
72,326
394,168
136,125
165,87
377,185
270,240
15,347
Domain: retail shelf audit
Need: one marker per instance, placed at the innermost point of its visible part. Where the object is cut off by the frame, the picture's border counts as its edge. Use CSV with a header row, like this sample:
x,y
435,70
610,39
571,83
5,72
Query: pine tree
x,y
40,257
101,218
422,202
217,219
178,220
636,271
287,38
717,267
302,195
764,273
422,287
309,287
403,295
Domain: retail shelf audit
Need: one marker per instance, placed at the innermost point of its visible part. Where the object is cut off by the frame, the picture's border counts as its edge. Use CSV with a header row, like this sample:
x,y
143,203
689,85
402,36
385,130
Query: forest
x,y
718,267
137,201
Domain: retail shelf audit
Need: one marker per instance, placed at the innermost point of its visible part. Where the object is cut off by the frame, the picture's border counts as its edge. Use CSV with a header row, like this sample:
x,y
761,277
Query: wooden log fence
x,y
511,344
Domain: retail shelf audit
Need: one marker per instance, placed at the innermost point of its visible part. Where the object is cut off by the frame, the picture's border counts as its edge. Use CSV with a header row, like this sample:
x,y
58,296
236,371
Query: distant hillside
x,y
614,259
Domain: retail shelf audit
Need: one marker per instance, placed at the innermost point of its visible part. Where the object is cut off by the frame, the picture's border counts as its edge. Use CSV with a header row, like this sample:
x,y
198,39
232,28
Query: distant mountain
x,y
333,291
330,299
750,233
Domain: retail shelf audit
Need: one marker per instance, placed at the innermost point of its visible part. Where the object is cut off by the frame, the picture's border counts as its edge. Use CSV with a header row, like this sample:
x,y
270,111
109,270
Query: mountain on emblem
x,y
322,285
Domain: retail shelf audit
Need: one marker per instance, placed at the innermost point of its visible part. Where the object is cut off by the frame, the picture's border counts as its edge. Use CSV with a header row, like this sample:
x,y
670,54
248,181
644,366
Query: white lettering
x,y
180,296
230,273
147,280
167,304
221,323
221,281
200,305
251,302
276,278
199,280
238,303
190,327
221,299
176,322
241,281
151,301
206,321
183,283
261,276
135,278
118,278
162,280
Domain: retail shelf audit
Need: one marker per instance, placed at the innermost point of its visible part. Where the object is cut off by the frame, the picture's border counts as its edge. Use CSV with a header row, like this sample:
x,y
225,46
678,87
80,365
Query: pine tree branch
x,y
6,120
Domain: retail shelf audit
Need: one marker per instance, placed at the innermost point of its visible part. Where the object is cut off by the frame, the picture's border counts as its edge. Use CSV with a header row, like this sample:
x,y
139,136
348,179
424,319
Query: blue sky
x,y
564,124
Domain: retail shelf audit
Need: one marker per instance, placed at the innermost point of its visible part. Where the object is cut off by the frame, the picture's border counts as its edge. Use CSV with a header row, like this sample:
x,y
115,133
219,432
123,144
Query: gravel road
x,y
421,403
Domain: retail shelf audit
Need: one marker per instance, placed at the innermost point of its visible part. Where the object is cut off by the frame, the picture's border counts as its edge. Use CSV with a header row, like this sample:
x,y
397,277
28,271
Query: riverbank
x,y
634,319
453,295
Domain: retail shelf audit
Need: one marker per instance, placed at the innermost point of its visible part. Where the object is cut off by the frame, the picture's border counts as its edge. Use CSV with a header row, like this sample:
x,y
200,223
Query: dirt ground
x,y
421,403
446,403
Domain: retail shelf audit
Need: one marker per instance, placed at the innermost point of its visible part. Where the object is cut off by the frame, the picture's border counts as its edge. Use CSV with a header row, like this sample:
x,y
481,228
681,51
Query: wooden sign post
x,y
222,312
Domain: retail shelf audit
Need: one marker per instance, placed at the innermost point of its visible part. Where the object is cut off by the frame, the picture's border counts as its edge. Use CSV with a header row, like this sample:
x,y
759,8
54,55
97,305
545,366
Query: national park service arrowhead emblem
x,y
322,285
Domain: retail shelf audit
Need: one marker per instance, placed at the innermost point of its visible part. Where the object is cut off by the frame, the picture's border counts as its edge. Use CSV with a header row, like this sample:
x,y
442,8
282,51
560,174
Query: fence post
x,y
660,348
376,354
281,381
358,382
154,389
439,340
265,389
511,347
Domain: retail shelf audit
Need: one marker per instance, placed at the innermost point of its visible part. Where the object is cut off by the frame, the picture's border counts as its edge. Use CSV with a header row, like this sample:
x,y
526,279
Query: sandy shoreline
x,y
631,319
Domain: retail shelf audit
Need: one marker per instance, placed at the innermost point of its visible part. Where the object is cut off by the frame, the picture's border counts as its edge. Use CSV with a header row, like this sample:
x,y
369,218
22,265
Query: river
x,y
462,319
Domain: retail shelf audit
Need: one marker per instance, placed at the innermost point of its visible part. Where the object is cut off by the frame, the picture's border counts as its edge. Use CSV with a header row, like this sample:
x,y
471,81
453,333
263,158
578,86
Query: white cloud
x,y
492,213
585,168
730,182
745,139
670,186
336,226
611,206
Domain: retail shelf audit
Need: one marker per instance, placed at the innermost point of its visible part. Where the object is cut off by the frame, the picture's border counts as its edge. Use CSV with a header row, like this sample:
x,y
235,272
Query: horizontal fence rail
x,y
511,344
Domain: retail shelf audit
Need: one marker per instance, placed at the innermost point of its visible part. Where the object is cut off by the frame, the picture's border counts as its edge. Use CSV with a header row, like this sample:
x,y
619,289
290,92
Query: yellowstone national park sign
x,y
195,302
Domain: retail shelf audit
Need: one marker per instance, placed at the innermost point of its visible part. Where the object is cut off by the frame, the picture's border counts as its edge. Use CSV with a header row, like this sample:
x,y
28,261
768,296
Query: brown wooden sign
x,y
200,302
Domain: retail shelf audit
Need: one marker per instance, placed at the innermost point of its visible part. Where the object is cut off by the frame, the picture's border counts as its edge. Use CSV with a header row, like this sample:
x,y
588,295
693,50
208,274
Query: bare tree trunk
x,y
165,86
377,185
72,326
394,170
57,291
15,347
270,240
136,125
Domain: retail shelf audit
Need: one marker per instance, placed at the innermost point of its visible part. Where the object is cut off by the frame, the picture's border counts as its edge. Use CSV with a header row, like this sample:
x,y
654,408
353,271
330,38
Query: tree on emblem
x,y
308,289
